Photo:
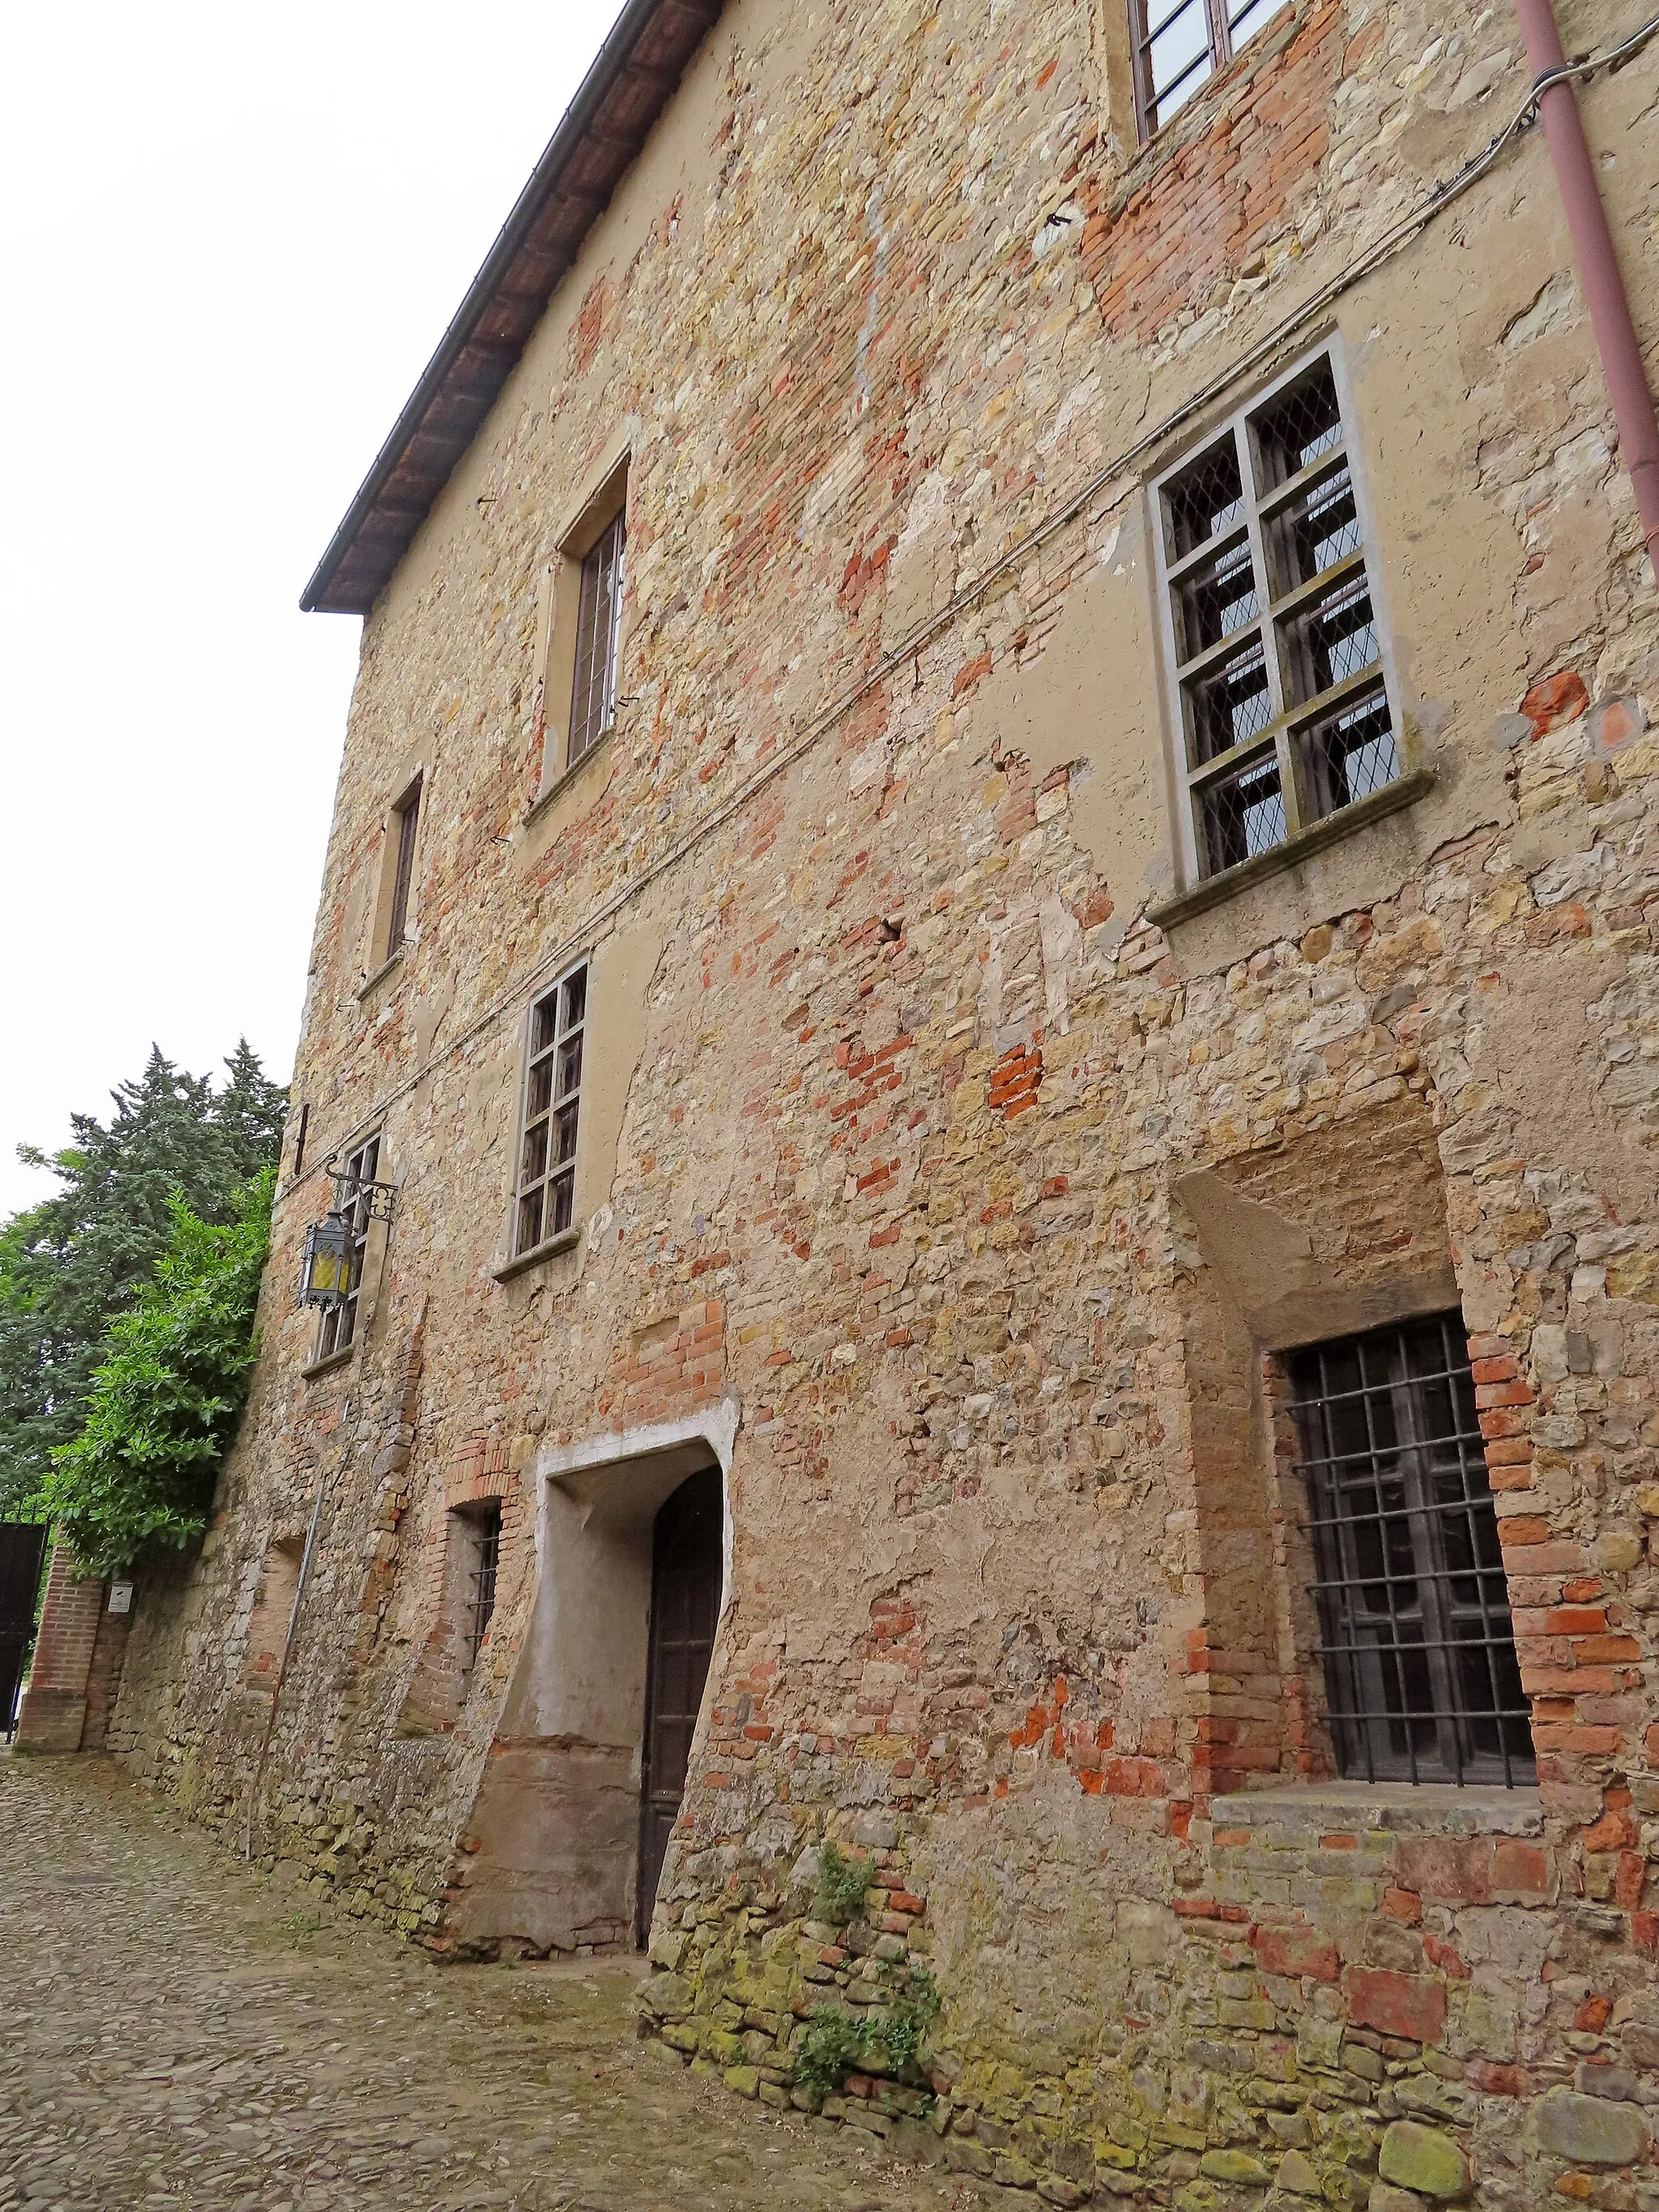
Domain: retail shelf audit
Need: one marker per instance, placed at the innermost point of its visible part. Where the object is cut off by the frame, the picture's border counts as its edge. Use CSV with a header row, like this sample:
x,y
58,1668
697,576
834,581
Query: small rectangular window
x,y
1418,1644
1180,44
405,816
599,627
355,1202
546,1196
486,1563
1280,702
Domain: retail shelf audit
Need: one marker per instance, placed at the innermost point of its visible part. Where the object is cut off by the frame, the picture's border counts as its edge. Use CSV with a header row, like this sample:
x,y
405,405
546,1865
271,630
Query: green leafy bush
x,y
841,1883
70,1264
886,2039
910,2009
163,1404
832,2048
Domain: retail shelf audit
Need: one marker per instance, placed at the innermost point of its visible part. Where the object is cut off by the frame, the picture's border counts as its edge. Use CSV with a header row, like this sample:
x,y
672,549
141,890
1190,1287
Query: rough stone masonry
x,y
965,1163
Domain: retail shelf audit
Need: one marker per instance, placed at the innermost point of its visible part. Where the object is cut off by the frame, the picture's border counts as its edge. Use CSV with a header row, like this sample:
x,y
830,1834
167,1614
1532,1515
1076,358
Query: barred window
x,y
1180,44
1280,702
355,1200
486,1563
1417,1642
546,1196
598,629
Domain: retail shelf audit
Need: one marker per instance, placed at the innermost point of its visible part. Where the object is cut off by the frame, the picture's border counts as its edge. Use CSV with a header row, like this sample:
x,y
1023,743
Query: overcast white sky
x,y
231,237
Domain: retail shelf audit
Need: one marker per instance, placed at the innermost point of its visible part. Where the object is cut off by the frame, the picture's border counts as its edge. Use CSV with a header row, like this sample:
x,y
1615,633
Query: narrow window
x,y
486,1561
1180,44
599,627
1418,1644
355,1202
405,816
546,1195
299,1140
1280,702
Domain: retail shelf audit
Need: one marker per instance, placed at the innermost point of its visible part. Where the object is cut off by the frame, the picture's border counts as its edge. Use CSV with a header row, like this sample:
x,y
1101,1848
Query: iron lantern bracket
x,y
375,1198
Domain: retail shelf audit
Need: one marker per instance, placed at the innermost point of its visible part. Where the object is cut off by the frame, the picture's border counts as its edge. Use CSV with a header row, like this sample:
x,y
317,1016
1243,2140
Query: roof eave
x,y
646,52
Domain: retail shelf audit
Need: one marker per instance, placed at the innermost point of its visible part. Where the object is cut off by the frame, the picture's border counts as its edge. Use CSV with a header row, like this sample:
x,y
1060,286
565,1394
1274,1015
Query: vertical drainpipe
x,y
1598,267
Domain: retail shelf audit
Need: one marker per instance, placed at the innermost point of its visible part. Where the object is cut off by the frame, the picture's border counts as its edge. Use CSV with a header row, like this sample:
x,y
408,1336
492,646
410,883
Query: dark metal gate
x,y
685,1611
22,1548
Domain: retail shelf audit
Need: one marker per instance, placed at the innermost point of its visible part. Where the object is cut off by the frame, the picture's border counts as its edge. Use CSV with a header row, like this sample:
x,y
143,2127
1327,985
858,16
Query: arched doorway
x,y
685,1605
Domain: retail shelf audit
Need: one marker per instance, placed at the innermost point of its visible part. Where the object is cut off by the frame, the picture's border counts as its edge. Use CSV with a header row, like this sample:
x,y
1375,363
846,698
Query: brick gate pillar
x,y
77,1662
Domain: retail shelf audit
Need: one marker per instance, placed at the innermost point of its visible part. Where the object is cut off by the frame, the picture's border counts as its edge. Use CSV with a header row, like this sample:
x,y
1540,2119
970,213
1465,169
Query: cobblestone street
x,y
177,2030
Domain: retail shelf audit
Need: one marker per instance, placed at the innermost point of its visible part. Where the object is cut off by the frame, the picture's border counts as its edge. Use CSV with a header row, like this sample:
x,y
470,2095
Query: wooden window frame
x,y
1149,19
599,635
338,1329
407,814
399,855
579,656
1287,738
544,1176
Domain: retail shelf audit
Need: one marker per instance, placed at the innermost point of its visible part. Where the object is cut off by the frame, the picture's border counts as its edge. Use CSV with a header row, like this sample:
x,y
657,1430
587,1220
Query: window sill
x,y
567,776
372,983
566,1240
1213,890
319,1367
1424,1807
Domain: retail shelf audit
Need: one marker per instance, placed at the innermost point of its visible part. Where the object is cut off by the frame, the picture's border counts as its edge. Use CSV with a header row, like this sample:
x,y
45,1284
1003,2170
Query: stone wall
x,y
967,1189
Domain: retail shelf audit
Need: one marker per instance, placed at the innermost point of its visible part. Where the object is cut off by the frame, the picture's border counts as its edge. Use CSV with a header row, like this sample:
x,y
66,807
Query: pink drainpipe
x,y
1598,269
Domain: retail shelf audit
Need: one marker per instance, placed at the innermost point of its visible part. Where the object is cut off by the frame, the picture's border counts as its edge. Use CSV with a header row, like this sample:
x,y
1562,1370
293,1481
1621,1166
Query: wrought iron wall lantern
x,y
325,1281
332,1244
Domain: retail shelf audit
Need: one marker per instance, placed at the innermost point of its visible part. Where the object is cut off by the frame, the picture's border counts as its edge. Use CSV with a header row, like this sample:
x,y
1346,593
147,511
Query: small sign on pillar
x,y
121,1597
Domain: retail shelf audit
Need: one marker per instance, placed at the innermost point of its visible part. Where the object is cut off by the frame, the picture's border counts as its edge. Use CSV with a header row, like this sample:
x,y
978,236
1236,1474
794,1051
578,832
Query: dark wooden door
x,y
21,1550
685,1605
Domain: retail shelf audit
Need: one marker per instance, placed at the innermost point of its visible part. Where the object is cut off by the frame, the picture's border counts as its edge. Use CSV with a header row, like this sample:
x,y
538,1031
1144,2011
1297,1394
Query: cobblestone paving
x,y
177,2030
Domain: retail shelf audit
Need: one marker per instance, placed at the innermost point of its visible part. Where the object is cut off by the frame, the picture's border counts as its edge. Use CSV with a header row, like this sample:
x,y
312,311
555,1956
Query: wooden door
x,y
685,1604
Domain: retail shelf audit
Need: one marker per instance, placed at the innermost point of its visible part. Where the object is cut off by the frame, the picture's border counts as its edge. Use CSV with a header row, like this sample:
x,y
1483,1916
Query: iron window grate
x,y
487,1564
1417,1642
